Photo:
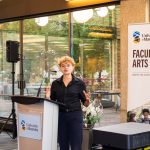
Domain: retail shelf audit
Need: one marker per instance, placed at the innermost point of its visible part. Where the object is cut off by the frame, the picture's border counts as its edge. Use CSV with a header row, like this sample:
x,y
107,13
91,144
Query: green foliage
x,y
91,119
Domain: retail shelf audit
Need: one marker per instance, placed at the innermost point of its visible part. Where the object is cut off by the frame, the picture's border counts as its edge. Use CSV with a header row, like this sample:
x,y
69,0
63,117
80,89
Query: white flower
x,y
92,113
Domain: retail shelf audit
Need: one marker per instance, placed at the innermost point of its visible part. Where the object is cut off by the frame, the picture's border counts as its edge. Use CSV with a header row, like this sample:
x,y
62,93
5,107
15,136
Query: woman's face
x,y
66,68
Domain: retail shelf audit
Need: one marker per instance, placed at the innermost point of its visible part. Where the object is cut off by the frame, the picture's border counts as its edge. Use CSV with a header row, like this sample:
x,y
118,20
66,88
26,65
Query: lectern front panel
x,y
30,118
26,144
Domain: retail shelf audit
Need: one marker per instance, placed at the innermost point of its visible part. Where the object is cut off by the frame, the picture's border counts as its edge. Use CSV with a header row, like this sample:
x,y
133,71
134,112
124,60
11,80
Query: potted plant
x,y
92,115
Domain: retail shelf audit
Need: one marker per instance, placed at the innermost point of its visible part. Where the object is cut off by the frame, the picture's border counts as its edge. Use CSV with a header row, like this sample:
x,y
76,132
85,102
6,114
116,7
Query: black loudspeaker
x,y
12,51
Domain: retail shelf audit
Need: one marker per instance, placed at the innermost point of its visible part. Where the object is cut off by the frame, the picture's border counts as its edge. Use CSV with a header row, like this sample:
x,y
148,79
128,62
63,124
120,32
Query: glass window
x,y
43,44
96,47
8,31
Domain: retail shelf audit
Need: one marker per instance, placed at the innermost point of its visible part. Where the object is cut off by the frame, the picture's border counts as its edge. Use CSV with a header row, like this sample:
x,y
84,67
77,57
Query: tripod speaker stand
x,y
12,56
12,114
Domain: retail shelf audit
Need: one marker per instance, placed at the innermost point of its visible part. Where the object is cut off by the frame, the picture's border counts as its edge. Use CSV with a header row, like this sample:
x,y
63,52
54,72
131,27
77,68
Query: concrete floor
x,y
6,143
110,117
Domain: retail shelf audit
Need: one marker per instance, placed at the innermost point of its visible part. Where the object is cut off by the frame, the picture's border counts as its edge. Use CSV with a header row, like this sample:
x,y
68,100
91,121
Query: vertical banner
x,y
138,65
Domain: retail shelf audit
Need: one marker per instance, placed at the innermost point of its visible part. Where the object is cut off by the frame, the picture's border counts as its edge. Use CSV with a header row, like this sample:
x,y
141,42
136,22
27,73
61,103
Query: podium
x,y
37,123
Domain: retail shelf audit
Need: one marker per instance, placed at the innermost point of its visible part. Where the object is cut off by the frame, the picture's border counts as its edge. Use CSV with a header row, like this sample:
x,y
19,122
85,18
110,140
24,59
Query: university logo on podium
x,y
30,126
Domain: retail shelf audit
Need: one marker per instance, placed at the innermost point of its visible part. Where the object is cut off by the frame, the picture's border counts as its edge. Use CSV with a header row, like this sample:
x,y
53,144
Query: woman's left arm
x,y
84,96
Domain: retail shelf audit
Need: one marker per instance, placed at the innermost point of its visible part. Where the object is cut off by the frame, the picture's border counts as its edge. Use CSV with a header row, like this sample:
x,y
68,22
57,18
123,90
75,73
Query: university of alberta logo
x,y
136,36
23,126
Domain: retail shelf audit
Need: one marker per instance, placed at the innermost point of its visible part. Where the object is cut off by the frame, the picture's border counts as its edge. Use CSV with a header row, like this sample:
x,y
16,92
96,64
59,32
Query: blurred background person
x,y
131,116
146,116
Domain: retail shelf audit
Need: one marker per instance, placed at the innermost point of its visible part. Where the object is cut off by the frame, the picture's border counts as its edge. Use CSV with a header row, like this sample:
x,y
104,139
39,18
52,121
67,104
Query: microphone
x,y
39,89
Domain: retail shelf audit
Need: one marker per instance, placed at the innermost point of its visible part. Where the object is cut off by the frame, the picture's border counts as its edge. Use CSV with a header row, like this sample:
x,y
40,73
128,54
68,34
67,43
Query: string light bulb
x,y
111,7
42,21
83,15
102,11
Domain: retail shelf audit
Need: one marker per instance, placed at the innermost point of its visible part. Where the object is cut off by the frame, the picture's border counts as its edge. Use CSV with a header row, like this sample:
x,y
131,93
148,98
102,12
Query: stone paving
x,y
110,117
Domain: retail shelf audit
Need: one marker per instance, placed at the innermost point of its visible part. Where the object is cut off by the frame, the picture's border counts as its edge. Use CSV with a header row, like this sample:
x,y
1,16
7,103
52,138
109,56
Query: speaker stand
x,y
12,114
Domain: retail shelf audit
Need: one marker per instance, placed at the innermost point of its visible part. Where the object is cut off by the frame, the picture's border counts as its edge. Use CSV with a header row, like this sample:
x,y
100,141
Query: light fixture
x,y
42,21
111,7
83,15
102,11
